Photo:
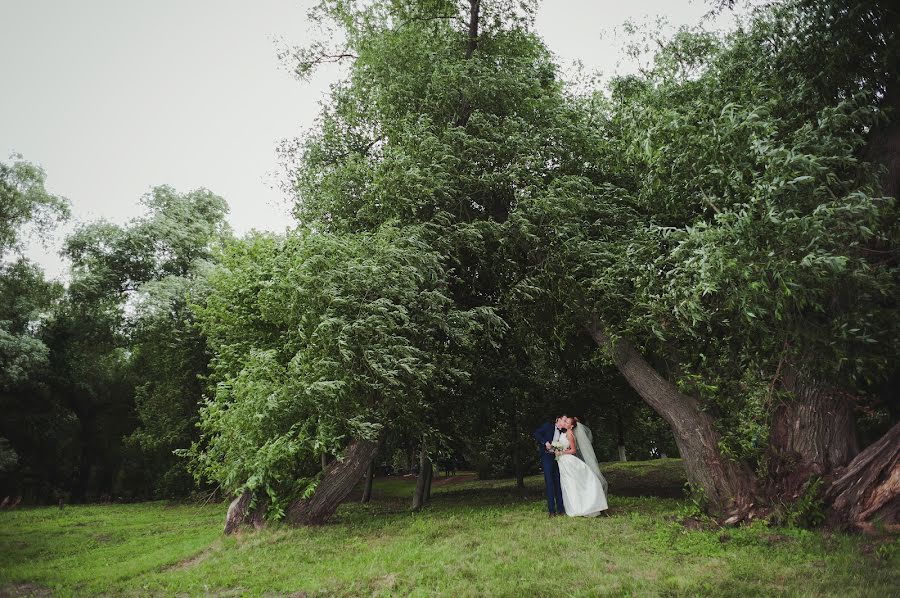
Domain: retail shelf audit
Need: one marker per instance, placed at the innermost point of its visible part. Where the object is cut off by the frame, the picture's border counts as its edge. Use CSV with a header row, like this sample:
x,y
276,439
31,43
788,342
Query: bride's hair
x,y
574,422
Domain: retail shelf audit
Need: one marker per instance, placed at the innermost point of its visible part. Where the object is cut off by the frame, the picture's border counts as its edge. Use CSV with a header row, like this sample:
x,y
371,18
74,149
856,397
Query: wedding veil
x,y
584,450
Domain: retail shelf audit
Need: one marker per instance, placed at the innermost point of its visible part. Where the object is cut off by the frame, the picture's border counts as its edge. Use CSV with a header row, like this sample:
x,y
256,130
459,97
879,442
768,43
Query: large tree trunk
x,y
868,489
727,485
338,480
812,433
420,495
818,424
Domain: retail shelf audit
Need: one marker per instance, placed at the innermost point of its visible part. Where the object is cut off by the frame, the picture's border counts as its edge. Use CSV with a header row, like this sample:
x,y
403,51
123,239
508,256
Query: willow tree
x,y
451,112
736,252
321,342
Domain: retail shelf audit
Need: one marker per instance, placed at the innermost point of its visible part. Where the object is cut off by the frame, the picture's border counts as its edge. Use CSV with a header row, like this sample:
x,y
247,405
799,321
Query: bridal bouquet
x,y
557,448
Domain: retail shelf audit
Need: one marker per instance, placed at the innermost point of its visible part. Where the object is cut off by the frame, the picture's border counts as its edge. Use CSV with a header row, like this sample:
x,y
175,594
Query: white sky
x,y
113,97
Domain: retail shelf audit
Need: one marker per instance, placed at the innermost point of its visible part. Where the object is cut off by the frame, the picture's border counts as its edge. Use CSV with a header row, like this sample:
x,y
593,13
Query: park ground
x,y
475,538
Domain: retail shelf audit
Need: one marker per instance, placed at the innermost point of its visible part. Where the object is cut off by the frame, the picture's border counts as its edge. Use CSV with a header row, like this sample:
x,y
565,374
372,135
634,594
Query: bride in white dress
x,y
583,486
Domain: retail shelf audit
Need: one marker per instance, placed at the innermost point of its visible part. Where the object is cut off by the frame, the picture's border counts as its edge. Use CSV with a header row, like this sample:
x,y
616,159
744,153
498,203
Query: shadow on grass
x,y
662,478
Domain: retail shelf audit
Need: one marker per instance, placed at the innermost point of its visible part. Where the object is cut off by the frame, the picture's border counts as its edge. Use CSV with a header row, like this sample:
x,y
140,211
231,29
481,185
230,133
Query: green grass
x,y
474,539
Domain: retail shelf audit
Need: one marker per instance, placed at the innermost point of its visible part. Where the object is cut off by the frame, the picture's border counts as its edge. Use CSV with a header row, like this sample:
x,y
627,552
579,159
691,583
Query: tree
x,y
321,341
25,202
125,357
739,261
35,431
450,115
40,431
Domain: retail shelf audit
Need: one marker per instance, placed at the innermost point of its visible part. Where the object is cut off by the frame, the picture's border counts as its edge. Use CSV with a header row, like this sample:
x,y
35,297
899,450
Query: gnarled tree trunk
x,y
868,488
338,480
726,484
812,434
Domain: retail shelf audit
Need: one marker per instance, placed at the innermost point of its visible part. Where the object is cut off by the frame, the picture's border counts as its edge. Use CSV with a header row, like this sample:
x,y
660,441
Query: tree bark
x,y
370,476
237,512
474,9
420,494
428,480
818,425
465,109
868,488
727,485
812,433
338,480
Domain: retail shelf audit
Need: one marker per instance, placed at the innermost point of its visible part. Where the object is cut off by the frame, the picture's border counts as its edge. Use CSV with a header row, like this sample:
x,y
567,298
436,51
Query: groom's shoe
x,y
551,514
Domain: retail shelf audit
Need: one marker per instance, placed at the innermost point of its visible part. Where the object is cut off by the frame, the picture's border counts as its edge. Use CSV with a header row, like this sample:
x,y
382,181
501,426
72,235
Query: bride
x,y
583,486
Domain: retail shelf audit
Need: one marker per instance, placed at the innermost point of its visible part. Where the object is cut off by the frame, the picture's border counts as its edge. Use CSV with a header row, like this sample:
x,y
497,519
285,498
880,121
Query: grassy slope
x,y
476,538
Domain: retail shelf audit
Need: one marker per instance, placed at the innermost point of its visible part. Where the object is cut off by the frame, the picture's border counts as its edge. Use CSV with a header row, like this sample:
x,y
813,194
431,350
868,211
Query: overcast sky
x,y
113,97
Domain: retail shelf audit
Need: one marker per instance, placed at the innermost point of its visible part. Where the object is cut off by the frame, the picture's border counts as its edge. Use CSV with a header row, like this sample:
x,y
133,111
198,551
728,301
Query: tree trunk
x,y
620,432
420,494
370,476
465,109
817,425
868,489
472,42
239,513
812,433
338,480
428,480
324,461
727,485
518,469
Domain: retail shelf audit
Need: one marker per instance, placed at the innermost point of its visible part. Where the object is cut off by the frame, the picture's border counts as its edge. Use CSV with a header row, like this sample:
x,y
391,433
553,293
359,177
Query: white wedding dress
x,y
583,491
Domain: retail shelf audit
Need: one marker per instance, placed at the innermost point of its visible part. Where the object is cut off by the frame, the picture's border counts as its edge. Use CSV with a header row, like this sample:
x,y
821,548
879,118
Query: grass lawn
x,y
474,539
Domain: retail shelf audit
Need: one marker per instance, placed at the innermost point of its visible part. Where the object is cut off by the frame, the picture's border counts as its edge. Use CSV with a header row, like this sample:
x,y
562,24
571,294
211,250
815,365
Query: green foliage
x,y
25,202
175,244
807,510
8,456
321,338
432,127
32,460
733,225
118,349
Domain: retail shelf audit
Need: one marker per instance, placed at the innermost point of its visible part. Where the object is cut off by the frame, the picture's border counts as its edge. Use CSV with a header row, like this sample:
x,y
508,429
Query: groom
x,y
545,435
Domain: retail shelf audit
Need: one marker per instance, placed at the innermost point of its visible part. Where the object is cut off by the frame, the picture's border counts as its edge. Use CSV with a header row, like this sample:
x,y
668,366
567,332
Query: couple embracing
x,y
575,486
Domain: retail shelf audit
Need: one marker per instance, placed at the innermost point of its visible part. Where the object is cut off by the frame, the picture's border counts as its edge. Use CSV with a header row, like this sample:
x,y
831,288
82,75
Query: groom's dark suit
x,y
544,434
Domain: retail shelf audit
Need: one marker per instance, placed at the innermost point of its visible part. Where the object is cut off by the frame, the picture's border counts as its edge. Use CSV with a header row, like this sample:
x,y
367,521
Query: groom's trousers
x,y
553,484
